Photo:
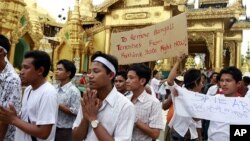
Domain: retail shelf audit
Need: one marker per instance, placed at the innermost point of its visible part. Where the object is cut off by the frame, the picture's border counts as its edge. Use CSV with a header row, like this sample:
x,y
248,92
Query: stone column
x,y
14,41
238,54
107,40
218,51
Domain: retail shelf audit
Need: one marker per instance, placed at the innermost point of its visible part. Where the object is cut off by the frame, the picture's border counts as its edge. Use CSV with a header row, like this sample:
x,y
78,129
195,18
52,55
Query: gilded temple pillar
x,y
238,54
12,53
76,56
167,63
14,41
107,39
232,54
218,51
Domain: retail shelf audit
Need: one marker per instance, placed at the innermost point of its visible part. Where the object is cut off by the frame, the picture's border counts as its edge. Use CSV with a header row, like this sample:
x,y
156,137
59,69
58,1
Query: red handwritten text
x,y
165,47
154,43
139,36
164,30
131,54
150,51
126,47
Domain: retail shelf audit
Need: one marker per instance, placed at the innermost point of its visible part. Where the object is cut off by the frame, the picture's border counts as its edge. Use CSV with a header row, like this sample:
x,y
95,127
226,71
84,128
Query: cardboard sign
x,y
159,41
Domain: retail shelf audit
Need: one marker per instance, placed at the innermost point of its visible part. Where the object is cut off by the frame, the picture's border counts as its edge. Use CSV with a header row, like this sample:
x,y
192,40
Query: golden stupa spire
x,y
75,17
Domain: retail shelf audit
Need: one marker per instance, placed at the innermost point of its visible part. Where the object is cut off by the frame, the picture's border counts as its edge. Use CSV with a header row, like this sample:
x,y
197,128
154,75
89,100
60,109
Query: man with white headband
x,y
105,114
10,89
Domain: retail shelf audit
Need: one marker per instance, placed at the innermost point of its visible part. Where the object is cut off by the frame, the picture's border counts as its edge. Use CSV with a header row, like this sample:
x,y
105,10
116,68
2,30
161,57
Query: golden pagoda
x,y
214,28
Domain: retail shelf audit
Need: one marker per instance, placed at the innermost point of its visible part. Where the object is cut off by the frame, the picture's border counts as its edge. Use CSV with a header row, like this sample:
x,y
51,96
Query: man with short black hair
x,y
39,105
105,114
148,122
229,79
10,89
68,98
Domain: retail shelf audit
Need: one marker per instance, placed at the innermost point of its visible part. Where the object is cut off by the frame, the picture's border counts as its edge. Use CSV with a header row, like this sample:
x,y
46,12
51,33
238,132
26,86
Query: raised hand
x,y
91,104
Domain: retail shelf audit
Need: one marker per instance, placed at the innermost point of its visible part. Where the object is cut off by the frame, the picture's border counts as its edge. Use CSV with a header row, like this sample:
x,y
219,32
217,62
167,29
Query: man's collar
x,y
111,98
65,86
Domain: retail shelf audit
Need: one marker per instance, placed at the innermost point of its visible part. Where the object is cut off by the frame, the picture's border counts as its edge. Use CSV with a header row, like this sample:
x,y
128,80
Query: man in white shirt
x,y
105,114
229,79
39,105
185,128
148,122
158,85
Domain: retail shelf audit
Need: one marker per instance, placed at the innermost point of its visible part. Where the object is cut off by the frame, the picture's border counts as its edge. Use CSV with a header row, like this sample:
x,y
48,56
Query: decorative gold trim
x,y
96,29
214,13
136,15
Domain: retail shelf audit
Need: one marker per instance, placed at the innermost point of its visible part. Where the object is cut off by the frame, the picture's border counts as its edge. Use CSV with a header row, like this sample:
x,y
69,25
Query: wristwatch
x,y
94,123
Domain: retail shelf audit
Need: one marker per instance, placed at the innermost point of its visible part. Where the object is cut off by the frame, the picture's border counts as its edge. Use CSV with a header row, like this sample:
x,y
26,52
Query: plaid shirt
x,y
148,110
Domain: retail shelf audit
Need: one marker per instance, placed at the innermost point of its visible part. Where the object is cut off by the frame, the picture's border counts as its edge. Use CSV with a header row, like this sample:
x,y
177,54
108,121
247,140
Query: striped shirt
x,y
148,110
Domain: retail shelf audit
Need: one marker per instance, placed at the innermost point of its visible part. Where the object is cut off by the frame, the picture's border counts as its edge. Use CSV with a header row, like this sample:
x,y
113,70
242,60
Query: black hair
x,y
142,71
246,80
113,60
211,76
155,72
41,59
69,66
192,77
232,70
4,42
178,82
122,73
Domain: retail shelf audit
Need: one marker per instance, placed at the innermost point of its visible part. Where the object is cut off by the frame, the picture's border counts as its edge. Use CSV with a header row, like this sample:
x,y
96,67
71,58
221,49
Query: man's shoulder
x,y
13,77
47,88
151,98
123,100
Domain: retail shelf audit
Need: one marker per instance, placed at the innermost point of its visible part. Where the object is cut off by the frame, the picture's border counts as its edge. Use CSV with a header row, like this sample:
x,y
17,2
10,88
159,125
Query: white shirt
x,y
117,116
41,107
148,110
212,90
218,131
248,92
182,124
155,83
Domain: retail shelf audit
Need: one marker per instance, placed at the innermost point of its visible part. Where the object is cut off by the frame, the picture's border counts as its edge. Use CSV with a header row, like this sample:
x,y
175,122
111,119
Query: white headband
x,y
3,49
106,63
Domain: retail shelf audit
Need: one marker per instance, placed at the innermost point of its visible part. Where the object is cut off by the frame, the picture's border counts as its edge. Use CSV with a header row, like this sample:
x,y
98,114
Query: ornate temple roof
x,y
241,25
213,13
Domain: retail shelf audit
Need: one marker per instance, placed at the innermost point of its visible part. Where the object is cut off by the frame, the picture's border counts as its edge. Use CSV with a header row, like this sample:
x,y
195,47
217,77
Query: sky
x,y
55,8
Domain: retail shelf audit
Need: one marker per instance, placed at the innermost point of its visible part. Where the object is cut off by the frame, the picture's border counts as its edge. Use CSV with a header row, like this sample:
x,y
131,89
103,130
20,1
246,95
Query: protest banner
x,y
163,40
232,110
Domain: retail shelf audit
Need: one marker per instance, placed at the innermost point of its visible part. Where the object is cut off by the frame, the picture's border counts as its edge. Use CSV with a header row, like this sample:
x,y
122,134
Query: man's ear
x,y
111,75
142,81
68,73
40,71
2,52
